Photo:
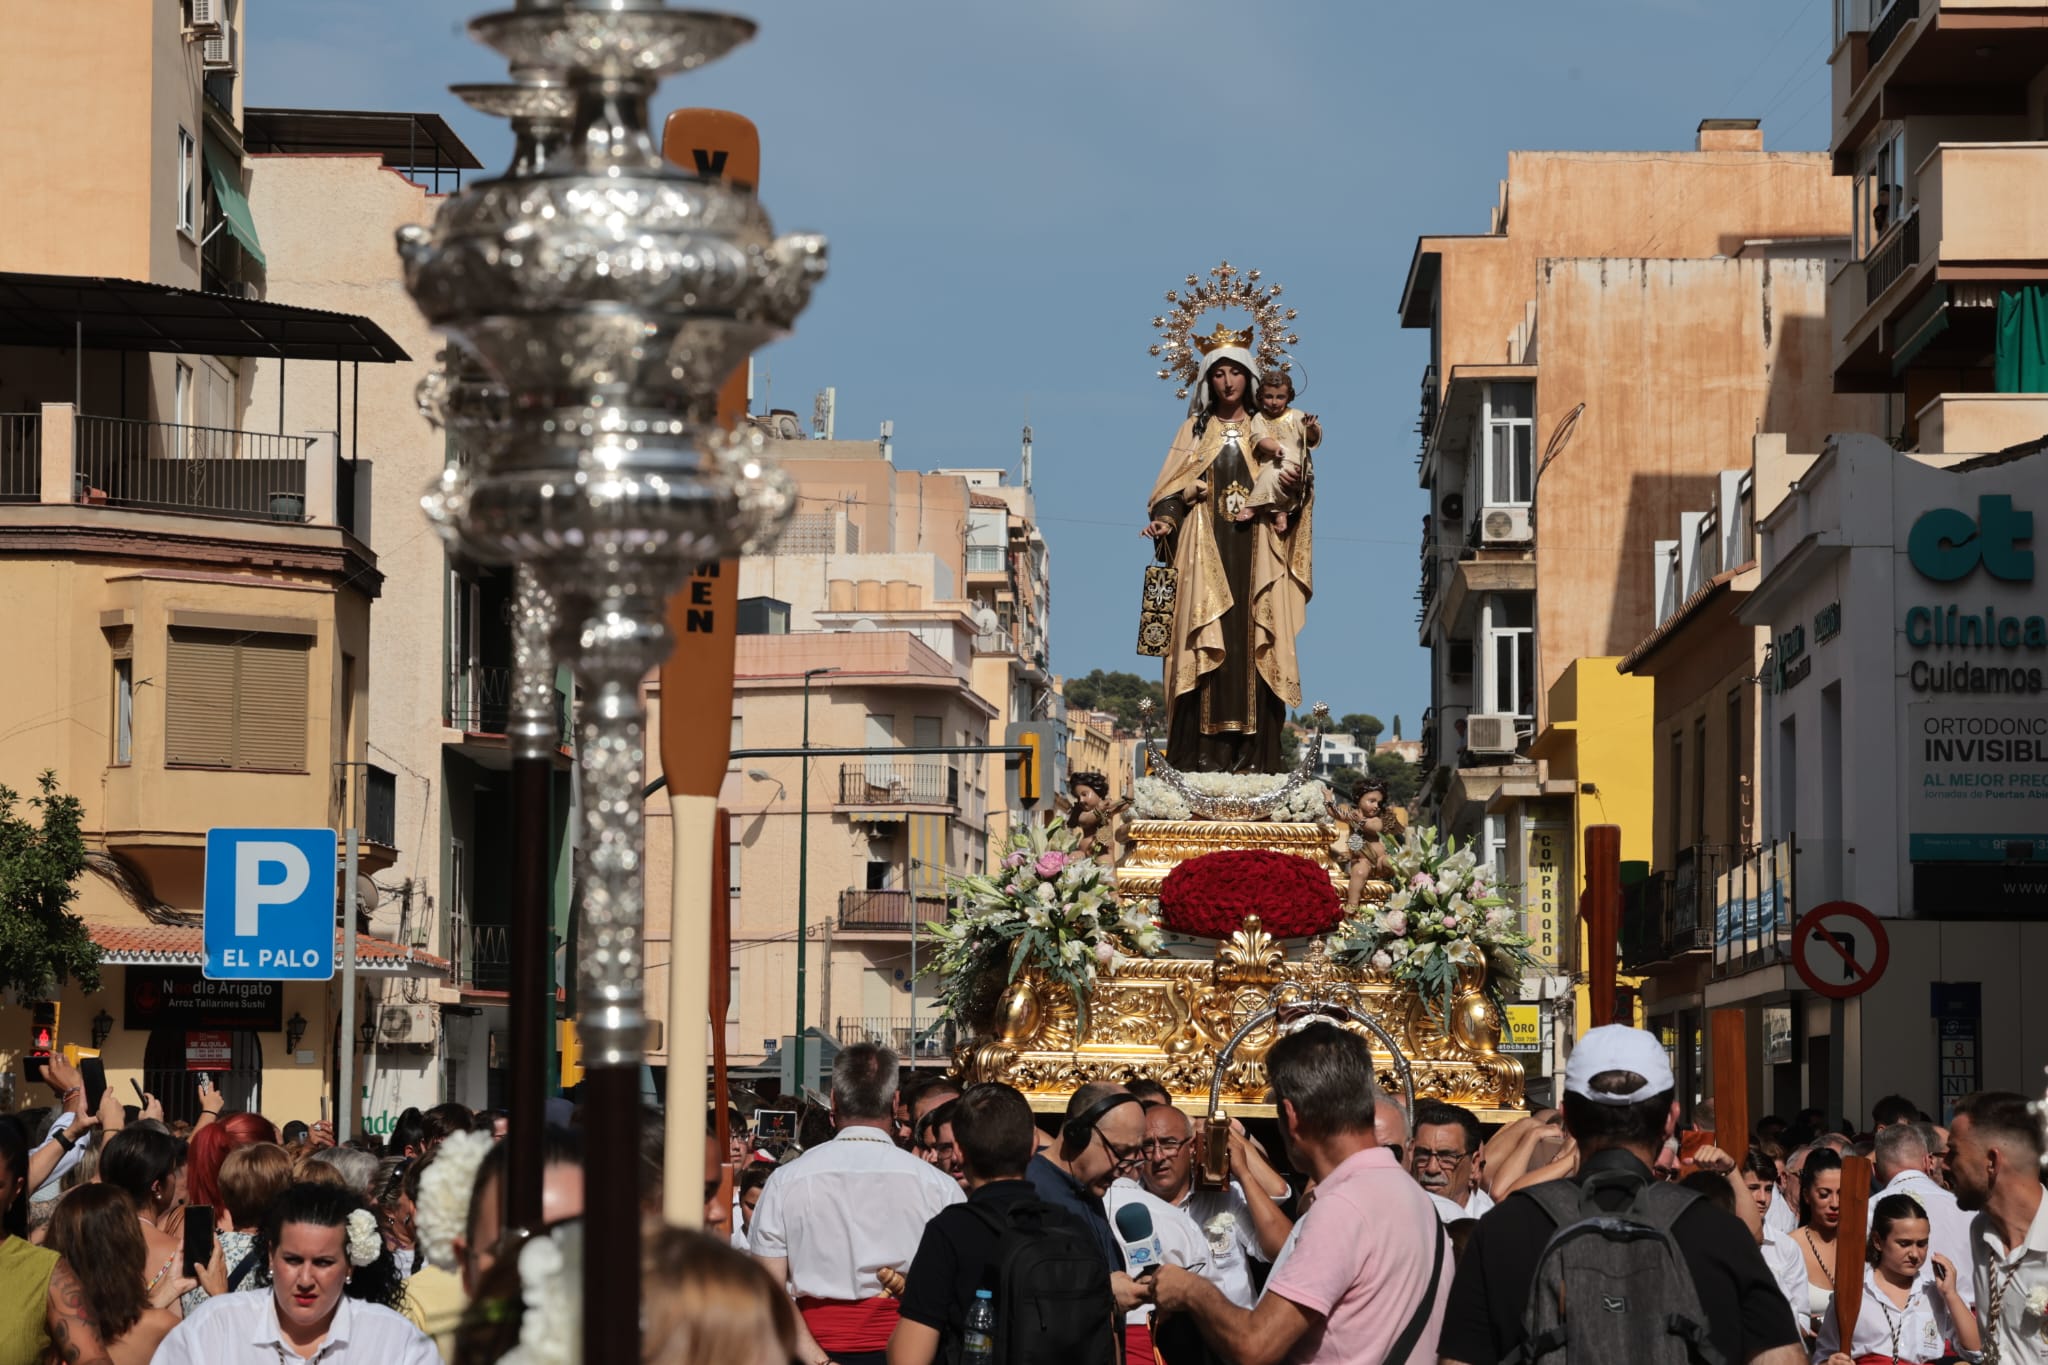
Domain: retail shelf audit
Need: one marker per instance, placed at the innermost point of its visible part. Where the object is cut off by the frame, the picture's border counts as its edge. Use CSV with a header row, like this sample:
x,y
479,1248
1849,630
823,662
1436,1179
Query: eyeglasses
x,y
1167,1147
1425,1157
1124,1157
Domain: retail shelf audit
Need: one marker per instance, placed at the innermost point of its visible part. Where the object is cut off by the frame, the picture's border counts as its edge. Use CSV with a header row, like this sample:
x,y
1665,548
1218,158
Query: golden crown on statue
x,y
1224,337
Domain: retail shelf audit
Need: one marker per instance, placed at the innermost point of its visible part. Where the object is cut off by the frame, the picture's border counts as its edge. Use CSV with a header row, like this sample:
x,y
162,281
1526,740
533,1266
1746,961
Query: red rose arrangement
x,y
1211,895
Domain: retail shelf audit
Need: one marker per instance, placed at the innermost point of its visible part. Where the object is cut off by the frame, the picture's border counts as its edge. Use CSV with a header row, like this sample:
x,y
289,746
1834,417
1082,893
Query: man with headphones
x,y
1102,1138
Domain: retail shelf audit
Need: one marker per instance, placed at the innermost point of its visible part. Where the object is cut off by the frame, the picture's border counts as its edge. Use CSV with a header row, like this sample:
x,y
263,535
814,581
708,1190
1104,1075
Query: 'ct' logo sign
x,y
1946,545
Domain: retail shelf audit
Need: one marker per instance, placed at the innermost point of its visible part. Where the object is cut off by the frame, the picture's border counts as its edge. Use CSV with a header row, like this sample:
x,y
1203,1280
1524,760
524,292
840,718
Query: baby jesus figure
x,y
1281,440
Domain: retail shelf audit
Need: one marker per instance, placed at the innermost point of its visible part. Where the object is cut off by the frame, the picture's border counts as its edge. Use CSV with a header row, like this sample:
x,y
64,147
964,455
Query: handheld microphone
x,y
1142,1249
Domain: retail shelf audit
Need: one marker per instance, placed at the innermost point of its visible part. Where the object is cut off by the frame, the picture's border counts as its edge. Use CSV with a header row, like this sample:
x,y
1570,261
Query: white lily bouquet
x,y
1446,912
1045,905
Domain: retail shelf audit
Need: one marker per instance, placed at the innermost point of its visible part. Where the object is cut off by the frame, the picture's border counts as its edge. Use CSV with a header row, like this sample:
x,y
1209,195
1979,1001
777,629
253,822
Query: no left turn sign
x,y
1840,949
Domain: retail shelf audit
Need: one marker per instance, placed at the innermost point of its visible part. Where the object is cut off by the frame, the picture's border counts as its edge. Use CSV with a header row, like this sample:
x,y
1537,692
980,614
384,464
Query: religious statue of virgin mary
x,y
1243,581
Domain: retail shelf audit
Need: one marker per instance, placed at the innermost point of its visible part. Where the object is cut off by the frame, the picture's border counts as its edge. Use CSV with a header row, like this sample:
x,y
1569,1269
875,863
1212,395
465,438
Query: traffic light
x,y
43,1027
1030,767
572,1052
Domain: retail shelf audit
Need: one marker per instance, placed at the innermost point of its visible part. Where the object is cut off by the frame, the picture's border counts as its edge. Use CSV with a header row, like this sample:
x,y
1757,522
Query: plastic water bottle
x,y
980,1343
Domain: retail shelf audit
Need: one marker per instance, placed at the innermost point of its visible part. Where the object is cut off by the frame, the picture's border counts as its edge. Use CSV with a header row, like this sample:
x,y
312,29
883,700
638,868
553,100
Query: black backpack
x,y
1051,1288
1612,1284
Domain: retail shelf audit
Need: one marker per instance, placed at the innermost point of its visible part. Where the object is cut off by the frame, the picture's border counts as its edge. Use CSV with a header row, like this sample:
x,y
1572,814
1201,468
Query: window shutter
x,y
199,699
271,704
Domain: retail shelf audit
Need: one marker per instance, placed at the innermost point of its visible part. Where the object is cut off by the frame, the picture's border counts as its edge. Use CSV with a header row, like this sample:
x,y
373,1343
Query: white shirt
x,y
1788,1268
241,1329
1477,1202
1948,1227
2024,1272
845,1209
1231,1250
1911,1334
71,1157
1779,1215
1184,1243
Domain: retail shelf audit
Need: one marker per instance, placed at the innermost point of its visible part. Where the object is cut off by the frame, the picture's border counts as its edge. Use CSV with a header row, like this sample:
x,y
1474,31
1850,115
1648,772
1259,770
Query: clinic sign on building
x,y
1973,636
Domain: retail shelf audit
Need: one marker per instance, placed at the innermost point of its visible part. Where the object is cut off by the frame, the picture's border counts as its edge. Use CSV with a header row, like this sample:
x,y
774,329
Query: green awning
x,y
1921,325
227,194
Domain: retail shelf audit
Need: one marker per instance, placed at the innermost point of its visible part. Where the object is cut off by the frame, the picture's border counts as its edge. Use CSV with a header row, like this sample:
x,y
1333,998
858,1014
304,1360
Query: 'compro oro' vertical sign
x,y
1979,781
1546,856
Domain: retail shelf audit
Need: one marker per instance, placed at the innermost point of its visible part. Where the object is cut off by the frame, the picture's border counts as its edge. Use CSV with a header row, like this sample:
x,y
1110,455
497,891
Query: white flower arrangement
x,y
1043,905
1220,1231
365,1242
445,1187
551,1284
1155,799
1445,910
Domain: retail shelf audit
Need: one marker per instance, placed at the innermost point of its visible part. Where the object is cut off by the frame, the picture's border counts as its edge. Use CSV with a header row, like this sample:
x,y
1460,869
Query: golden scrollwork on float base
x,y
1153,848
1169,1018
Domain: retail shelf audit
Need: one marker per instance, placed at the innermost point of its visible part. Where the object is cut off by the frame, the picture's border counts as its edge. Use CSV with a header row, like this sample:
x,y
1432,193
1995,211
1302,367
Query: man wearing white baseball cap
x,y
1620,1103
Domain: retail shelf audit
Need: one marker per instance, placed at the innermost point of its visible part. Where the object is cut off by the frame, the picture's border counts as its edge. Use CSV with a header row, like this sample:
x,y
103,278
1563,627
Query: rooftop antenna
x,y
888,434
821,413
1027,457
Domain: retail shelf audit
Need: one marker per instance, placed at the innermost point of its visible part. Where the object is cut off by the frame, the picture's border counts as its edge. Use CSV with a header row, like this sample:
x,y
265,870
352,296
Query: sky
x,y
1010,189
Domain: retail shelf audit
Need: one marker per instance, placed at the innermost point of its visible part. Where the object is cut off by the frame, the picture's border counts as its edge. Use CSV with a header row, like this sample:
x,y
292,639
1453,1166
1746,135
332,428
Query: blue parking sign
x,y
270,904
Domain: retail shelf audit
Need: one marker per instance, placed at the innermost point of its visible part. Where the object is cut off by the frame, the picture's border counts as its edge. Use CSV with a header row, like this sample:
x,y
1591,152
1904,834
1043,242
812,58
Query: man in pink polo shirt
x,y
1364,1276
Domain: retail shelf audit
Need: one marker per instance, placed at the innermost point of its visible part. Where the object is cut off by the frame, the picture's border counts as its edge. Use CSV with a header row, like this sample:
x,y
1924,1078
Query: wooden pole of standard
x,y
1850,1235
1601,909
696,742
1730,1033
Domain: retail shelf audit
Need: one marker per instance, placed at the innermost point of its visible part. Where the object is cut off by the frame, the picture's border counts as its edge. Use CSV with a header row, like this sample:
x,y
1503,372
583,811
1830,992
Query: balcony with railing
x,y
1890,24
899,784
923,1039
1733,905
1425,420
479,956
480,701
1977,222
213,471
21,456
58,456
891,909
988,559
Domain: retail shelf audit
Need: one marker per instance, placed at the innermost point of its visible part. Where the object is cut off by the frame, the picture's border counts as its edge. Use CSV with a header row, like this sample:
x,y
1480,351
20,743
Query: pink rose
x,y
1104,952
1050,862
1396,923
1421,882
1450,921
1015,859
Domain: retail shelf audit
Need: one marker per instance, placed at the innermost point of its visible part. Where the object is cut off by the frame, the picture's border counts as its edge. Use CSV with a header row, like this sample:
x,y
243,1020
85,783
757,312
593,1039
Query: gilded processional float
x,y
1226,900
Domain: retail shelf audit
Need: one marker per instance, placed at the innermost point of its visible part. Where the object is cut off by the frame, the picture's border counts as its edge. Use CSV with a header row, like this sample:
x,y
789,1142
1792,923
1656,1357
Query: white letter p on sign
x,y
252,893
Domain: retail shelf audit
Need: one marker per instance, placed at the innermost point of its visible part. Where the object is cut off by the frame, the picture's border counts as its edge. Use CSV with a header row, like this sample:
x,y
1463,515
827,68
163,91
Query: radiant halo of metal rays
x,y
1226,288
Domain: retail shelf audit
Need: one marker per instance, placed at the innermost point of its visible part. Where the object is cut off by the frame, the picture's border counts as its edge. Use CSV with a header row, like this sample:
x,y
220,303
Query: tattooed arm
x,y
74,1331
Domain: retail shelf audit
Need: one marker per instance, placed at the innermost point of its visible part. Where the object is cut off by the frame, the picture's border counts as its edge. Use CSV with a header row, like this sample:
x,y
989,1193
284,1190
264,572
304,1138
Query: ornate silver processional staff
x,y
608,295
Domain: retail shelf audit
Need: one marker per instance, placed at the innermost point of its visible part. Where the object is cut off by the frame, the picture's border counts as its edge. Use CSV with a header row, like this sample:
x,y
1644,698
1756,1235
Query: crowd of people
x,y
926,1221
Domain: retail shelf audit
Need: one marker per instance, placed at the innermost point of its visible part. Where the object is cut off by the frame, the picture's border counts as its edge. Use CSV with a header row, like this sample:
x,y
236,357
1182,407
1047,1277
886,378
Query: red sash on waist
x,y
1138,1345
856,1325
1876,1358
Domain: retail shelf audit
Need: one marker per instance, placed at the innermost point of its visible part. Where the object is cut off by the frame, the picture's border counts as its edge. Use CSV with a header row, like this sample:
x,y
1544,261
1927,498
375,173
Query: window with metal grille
x,y
236,700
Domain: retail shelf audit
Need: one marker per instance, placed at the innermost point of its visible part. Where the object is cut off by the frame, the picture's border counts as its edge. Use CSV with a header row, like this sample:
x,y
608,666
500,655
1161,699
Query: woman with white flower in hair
x,y
334,1294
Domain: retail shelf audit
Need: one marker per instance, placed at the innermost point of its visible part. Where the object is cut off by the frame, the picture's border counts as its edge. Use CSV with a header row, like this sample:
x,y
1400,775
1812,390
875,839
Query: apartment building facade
x,y
879,622
197,571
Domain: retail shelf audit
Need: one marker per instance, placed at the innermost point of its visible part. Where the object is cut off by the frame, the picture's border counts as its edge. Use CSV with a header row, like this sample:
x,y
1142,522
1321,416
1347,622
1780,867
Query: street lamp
x,y
294,1031
763,775
803,880
102,1028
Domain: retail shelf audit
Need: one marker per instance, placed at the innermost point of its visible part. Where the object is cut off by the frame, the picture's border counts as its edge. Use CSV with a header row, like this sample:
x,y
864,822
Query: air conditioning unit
x,y
217,52
405,1024
1504,526
208,17
1491,734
